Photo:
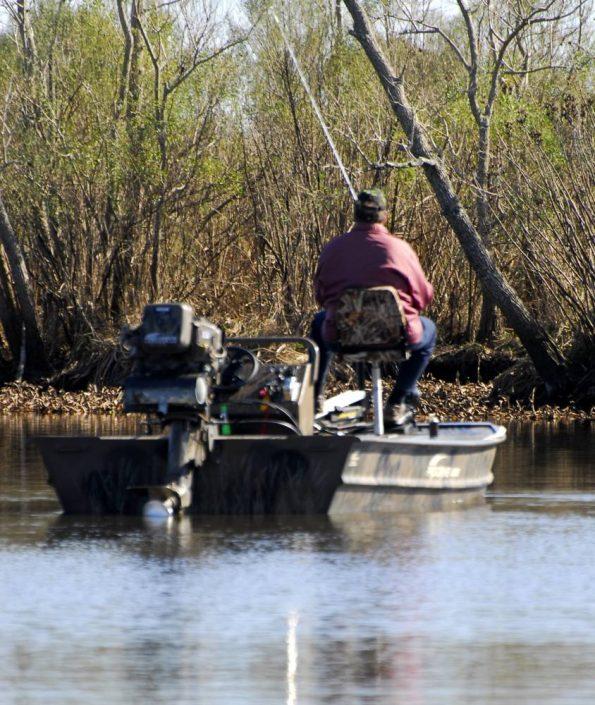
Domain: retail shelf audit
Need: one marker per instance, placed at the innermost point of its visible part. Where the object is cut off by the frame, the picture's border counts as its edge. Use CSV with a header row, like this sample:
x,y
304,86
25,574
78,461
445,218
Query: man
x,y
366,256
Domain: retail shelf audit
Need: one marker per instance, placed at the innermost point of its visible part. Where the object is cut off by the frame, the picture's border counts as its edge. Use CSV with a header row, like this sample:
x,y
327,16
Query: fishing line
x,y
323,125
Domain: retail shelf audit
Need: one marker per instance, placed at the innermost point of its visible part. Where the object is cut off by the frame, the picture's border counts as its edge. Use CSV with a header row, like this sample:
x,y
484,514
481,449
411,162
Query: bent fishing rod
x,y
316,109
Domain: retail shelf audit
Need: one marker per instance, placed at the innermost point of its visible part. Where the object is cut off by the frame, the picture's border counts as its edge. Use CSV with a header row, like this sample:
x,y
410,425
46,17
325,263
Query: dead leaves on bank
x,y
475,402
446,400
25,398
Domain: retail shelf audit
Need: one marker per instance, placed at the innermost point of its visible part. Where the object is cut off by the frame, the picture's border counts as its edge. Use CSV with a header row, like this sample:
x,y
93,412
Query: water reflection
x,y
292,657
546,456
488,605
23,485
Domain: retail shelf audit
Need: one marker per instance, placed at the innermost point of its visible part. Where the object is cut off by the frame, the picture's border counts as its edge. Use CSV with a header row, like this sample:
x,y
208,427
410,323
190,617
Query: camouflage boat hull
x,y
281,475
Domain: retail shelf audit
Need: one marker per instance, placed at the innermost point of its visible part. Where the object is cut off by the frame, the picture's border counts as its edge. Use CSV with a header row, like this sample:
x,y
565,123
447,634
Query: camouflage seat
x,y
370,325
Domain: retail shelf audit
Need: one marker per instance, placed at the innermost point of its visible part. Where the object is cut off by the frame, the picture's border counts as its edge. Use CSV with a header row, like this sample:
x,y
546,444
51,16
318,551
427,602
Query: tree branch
x,y
171,87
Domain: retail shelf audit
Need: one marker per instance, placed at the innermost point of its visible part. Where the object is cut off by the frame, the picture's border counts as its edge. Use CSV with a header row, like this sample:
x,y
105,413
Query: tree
x,y
32,353
168,77
501,41
32,350
541,349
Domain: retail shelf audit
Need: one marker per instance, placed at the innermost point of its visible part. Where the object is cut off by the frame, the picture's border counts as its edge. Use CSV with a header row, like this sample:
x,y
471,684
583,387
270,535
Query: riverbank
x,y
446,400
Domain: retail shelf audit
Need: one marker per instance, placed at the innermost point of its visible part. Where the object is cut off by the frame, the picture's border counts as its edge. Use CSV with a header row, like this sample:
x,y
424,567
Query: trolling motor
x,y
177,360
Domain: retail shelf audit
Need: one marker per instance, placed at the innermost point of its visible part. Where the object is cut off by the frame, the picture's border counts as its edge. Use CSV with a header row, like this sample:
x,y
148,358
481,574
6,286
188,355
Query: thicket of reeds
x,y
153,151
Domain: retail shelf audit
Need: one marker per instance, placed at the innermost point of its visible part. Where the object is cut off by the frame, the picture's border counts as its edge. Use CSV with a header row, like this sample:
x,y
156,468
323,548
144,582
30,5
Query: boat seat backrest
x,y
370,324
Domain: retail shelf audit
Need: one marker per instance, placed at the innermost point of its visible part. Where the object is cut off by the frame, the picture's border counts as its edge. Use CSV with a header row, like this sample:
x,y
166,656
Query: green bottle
x,y
225,426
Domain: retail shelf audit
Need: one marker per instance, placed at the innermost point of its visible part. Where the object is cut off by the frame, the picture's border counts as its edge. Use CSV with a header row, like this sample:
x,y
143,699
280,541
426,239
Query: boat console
x,y
183,370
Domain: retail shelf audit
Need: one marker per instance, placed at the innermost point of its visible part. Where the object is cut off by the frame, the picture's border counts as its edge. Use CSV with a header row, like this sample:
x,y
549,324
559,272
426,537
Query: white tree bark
x,y
35,351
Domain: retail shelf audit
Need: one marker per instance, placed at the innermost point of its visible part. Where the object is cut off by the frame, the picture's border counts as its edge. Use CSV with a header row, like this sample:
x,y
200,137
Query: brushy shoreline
x,y
445,400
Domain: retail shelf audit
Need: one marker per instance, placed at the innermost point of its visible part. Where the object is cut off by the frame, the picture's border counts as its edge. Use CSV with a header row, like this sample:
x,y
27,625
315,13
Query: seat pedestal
x,y
377,399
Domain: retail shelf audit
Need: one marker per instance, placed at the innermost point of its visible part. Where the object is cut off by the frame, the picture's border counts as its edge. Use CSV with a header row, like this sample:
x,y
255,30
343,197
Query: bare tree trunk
x,y
129,96
124,81
9,317
26,37
134,65
487,321
535,340
163,167
36,357
155,253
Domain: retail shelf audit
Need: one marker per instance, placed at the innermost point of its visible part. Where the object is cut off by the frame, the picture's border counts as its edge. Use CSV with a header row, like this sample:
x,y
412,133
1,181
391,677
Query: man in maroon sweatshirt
x,y
369,255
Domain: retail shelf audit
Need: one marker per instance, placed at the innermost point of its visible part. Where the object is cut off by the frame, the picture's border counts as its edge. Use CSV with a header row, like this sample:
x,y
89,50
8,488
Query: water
x,y
489,605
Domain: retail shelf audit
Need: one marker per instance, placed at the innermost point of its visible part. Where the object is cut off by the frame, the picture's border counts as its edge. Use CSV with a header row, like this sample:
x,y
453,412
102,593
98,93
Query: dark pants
x,y
410,370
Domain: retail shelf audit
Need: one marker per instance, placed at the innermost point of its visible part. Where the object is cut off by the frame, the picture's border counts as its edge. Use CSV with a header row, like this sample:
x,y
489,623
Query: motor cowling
x,y
176,360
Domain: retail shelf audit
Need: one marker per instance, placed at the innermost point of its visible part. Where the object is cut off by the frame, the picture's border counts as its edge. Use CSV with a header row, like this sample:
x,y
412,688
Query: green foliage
x,y
233,173
520,117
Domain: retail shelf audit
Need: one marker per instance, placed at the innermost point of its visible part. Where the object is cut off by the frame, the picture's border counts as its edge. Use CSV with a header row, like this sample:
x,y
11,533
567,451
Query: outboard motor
x,y
177,361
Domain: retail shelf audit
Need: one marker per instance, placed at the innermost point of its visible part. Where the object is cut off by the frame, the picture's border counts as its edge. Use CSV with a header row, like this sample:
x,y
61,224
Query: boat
x,y
229,430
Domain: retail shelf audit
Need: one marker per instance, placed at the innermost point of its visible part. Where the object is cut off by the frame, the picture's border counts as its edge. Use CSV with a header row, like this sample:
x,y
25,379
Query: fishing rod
x,y
316,109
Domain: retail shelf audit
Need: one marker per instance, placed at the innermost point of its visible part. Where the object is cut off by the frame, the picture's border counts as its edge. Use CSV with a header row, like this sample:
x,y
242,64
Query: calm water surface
x,y
483,606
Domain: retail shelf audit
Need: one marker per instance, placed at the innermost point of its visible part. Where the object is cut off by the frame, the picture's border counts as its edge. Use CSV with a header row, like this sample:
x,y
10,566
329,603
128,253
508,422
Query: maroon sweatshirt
x,y
368,255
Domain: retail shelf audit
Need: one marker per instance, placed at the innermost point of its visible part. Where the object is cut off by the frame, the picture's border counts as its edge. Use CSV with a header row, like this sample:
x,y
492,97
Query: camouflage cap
x,y
372,199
